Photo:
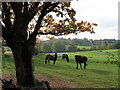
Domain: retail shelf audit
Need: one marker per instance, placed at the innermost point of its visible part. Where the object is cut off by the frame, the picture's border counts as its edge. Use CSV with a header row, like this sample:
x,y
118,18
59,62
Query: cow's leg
x,y
48,61
54,61
80,66
66,60
77,65
85,65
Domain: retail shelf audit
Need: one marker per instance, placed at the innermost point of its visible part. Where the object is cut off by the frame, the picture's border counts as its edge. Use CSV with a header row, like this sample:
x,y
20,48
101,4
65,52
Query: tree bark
x,y
24,65
28,65
17,51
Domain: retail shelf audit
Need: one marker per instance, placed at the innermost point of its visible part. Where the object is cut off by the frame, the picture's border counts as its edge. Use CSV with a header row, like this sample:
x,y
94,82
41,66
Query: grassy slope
x,y
97,74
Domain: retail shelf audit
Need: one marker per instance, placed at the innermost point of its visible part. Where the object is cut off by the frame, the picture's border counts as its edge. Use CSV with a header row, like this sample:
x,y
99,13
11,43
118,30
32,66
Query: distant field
x,y
97,74
84,47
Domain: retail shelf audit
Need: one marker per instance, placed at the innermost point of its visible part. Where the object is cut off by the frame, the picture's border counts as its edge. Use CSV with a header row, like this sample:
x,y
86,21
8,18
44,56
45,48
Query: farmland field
x,y
97,74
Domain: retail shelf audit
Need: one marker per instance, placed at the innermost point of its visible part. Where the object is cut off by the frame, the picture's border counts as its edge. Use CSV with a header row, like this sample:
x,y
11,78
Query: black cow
x,y
65,56
51,57
81,59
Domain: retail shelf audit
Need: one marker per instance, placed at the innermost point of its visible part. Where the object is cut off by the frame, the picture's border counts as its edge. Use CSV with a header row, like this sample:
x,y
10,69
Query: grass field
x,y
84,47
97,74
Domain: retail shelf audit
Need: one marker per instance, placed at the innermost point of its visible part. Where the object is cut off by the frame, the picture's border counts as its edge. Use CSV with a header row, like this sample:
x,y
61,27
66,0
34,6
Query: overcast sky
x,y
102,12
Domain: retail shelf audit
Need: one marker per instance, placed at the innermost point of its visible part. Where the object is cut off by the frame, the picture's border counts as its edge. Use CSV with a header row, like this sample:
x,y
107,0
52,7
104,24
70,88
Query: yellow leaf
x,y
40,31
92,32
38,35
37,38
82,30
85,23
94,24
79,24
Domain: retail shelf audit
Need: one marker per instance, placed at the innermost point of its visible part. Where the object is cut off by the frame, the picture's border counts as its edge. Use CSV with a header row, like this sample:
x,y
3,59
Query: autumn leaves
x,y
65,28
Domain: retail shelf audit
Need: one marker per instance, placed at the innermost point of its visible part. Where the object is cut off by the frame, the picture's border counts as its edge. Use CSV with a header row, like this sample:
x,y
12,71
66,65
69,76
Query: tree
x,y
72,47
58,46
93,47
39,47
102,45
47,47
23,21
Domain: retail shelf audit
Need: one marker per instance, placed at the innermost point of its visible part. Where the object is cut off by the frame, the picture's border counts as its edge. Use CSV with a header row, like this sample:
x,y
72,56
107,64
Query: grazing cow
x,y
81,59
65,56
51,57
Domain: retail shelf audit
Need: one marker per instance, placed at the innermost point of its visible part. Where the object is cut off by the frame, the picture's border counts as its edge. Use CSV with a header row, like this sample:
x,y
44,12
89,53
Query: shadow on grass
x,y
100,71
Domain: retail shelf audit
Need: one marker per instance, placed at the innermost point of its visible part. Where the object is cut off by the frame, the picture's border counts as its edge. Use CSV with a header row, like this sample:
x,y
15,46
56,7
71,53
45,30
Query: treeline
x,y
70,45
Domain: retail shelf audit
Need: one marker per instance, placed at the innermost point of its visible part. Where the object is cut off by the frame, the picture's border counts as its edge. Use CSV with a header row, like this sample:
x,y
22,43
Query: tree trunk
x,y
24,65
28,65
17,51
22,48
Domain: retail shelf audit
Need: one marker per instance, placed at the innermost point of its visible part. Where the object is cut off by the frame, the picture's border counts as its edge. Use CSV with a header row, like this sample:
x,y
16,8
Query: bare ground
x,y
54,83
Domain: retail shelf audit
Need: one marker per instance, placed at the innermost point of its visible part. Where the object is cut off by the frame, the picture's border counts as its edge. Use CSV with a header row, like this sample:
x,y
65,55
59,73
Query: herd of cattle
x,y
78,58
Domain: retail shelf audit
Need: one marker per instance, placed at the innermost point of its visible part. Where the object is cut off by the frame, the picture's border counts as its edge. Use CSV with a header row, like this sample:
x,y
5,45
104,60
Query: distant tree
x,y
78,49
58,46
86,42
102,45
72,47
39,47
47,47
110,46
93,47
76,41
116,45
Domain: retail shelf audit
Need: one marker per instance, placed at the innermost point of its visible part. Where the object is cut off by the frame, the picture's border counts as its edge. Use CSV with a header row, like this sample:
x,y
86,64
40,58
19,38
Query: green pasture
x,y
81,47
97,74
84,47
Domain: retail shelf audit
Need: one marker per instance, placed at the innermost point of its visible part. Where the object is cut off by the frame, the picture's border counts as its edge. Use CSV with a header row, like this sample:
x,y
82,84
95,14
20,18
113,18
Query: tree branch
x,y
31,12
44,11
62,14
48,8
52,7
17,7
51,33
25,7
6,11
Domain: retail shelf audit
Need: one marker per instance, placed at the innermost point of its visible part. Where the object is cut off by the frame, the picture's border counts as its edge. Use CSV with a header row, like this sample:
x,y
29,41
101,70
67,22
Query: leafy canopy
x,y
40,20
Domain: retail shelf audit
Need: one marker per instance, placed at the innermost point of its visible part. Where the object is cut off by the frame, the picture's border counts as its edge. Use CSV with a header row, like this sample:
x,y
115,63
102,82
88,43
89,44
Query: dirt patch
x,y
54,83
